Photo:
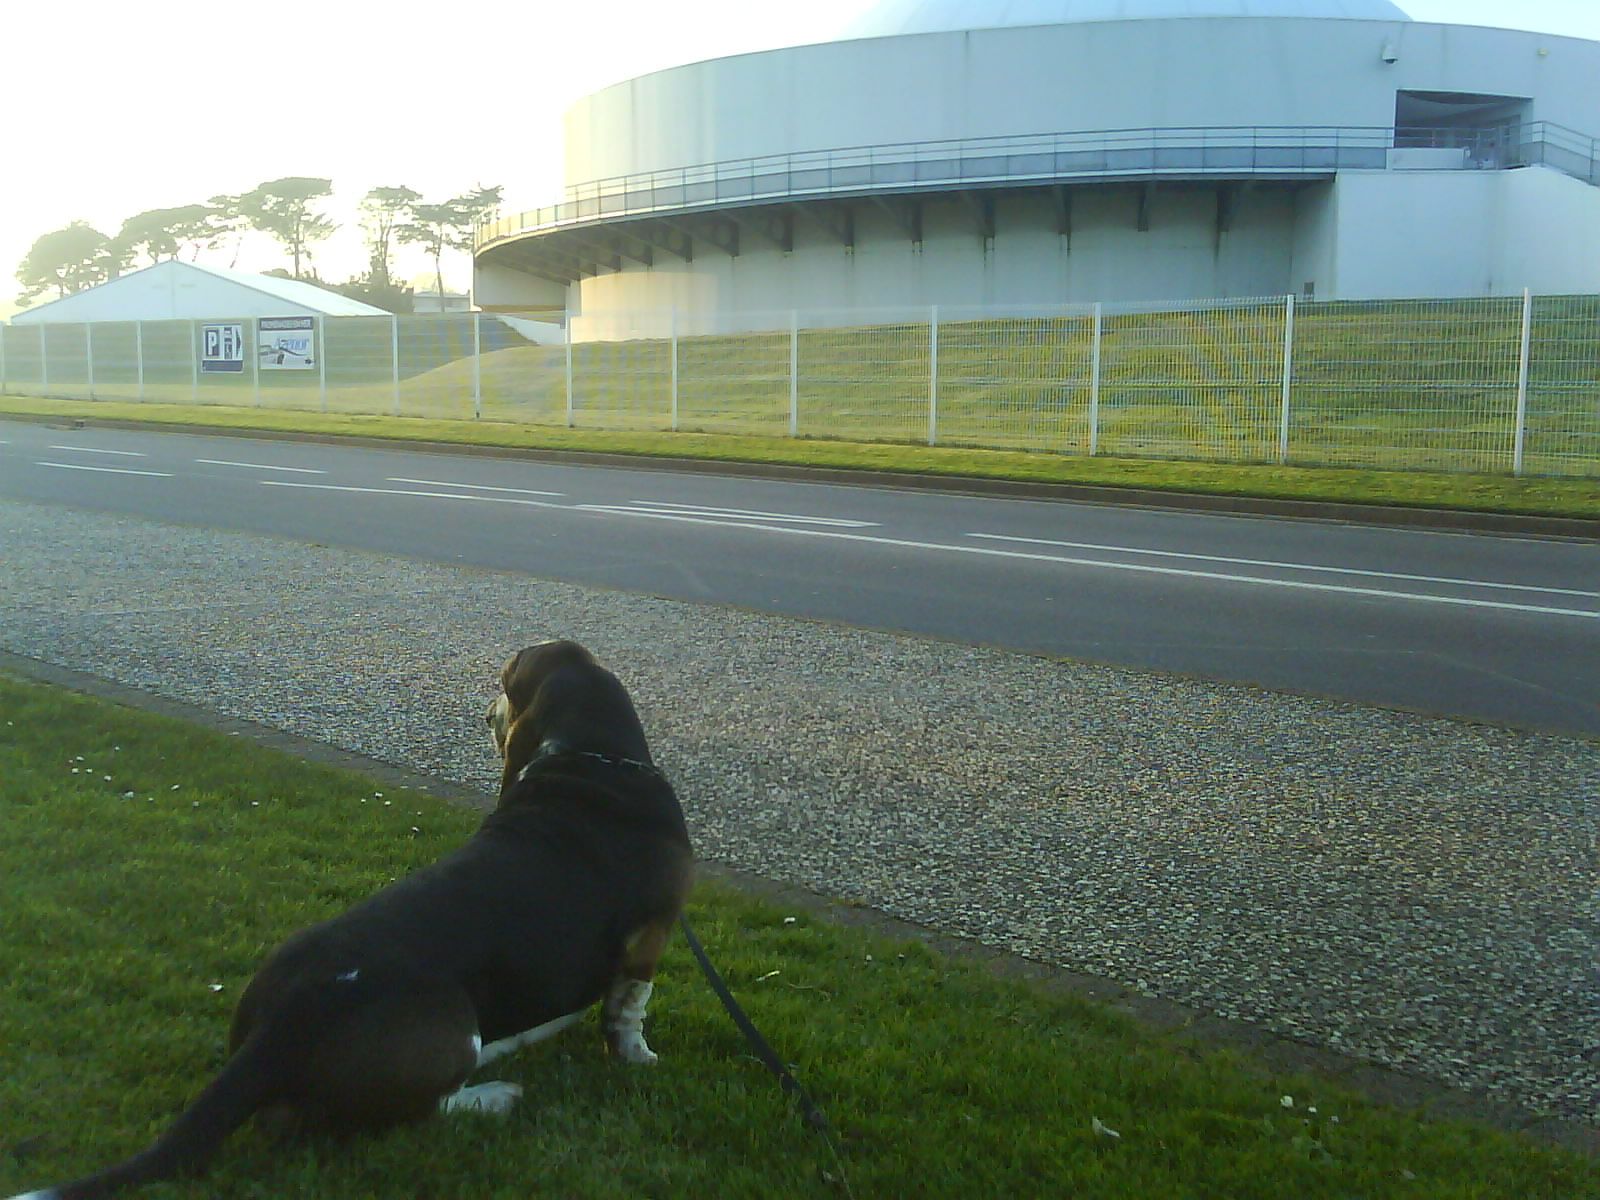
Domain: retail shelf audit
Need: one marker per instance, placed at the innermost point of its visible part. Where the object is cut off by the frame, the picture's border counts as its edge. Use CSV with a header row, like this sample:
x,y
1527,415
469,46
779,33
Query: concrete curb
x,y
1429,1099
1396,516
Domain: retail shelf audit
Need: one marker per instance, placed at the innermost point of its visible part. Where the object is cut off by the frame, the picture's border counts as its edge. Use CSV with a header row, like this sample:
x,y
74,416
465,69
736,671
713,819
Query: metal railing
x,y
1271,151
1495,385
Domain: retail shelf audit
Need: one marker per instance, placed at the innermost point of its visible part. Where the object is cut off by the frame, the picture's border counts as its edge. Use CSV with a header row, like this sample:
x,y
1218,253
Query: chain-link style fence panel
x,y
1489,385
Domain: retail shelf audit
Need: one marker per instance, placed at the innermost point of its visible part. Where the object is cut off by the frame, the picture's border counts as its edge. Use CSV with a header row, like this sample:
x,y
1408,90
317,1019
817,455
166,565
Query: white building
x,y
995,152
189,291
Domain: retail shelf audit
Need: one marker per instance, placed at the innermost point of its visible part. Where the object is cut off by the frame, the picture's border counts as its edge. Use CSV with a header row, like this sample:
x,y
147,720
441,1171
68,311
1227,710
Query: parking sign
x,y
222,349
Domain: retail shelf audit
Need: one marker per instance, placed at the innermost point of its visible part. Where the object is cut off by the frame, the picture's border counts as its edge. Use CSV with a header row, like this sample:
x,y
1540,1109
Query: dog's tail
x,y
251,1079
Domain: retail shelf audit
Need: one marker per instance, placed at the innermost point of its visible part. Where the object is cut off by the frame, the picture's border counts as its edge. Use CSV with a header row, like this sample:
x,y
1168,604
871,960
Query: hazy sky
x,y
116,107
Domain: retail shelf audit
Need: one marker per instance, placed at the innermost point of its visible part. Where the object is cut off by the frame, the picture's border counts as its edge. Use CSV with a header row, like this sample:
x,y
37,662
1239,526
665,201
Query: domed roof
x,y
890,17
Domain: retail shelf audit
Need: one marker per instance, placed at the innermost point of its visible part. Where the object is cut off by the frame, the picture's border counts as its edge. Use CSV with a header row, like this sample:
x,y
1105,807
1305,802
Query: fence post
x,y
1094,382
88,354
44,361
1288,376
794,372
672,333
194,362
394,357
138,356
477,366
1522,381
569,369
322,361
255,358
933,375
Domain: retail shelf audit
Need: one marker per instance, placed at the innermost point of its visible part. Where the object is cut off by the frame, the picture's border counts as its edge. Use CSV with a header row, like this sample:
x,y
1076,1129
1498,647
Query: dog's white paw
x,y
497,1097
624,1021
634,1050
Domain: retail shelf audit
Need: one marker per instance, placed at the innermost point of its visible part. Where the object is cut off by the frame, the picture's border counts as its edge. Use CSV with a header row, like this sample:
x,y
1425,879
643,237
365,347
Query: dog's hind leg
x,y
393,1058
622,1016
528,1037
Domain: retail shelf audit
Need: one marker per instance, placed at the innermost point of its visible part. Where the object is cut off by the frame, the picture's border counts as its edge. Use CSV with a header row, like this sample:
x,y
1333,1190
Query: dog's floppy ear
x,y
517,736
529,668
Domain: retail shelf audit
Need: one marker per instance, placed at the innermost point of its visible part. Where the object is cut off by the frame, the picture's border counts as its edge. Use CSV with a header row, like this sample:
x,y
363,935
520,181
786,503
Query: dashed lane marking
x,y
224,462
1293,566
104,470
97,450
476,487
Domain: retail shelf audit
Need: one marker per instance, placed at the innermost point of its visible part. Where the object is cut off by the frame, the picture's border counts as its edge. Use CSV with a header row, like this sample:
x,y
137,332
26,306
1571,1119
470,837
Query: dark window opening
x,y
1487,127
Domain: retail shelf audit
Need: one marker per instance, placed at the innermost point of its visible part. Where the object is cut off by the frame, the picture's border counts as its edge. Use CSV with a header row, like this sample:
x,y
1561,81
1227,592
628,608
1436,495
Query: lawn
x,y
1187,399
1530,496
148,865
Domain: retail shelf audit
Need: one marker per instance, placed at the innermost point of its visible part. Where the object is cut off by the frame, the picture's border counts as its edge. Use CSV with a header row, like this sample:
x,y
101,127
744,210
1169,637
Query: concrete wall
x,y
501,289
1314,255
1028,262
1366,235
1549,239
1466,233
1426,233
1085,76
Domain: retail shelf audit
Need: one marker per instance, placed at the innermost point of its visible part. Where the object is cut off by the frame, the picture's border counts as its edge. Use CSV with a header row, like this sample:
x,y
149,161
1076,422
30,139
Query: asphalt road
x,y
1495,628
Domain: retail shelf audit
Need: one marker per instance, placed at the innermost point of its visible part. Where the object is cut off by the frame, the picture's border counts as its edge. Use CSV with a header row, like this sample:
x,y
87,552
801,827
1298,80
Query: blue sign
x,y
287,343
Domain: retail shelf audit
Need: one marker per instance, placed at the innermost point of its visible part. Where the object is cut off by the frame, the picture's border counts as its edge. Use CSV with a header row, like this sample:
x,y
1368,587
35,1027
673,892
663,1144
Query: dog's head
x,y
520,680
554,697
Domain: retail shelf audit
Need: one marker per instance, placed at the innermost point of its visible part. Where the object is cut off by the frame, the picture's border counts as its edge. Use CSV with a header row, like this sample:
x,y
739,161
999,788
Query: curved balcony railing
x,y
1241,151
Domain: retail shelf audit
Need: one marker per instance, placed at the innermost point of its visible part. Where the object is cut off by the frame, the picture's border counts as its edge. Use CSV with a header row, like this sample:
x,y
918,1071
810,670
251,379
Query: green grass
x,y
1410,385
129,902
1538,496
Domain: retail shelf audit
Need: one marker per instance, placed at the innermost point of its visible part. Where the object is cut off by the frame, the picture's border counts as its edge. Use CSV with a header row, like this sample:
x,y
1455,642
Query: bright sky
x,y
115,108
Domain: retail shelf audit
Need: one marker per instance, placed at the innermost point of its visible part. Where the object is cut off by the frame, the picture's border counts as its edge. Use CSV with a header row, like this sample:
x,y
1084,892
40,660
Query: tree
x,y
383,210
448,226
224,219
160,233
282,208
147,233
388,295
194,226
69,260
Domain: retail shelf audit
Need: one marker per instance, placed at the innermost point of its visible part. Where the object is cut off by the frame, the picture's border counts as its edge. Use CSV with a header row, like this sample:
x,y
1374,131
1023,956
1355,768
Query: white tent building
x,y
184,291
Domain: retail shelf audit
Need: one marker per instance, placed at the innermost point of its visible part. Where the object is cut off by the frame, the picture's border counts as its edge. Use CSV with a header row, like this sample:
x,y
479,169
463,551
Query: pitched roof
x,y
295,291
152,293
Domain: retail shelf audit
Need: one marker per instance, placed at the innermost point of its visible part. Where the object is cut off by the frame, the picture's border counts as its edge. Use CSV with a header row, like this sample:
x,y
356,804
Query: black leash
x,y
765,1053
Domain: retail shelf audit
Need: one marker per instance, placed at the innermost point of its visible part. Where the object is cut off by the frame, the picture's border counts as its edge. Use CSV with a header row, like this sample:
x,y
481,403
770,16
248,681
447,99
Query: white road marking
x,y
477,487
334,487
223,462
985,551
701,510
1293,566
1141,568
94,450
104,470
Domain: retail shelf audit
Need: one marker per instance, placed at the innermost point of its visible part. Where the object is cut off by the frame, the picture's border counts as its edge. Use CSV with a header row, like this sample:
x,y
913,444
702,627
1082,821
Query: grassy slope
x,y
128,900
1480,493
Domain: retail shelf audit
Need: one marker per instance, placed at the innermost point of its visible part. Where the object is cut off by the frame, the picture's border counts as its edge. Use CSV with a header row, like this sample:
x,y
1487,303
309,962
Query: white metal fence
x,y
1494,385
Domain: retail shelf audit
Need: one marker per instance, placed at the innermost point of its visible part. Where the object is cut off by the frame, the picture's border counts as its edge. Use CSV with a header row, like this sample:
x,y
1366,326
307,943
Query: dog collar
x,y
610,760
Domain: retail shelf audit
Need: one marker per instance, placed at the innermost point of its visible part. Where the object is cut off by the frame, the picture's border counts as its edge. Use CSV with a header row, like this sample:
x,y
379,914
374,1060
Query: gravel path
x,y
1422,893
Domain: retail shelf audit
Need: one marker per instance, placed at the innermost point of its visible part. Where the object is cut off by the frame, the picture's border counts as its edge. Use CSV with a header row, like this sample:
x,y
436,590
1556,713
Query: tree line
x,y
79,256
